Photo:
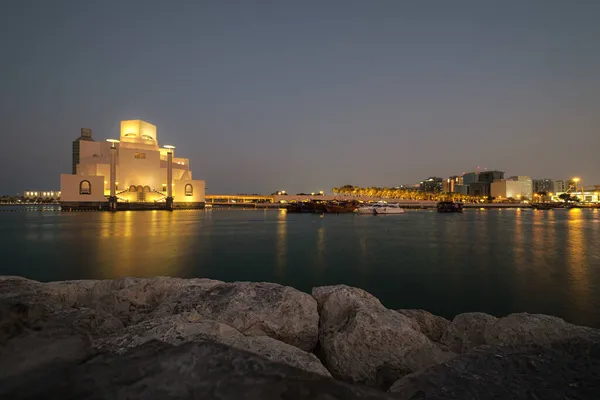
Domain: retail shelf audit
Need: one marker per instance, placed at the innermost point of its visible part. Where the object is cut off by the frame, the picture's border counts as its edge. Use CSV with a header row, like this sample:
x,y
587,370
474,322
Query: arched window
x,y
136,155
132,188
147,189
143,155
189,190
140,189
85,187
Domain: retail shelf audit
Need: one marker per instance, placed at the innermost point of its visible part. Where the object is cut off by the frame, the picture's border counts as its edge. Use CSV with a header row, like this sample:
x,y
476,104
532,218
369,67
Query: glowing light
x,y
576,180
113,140
168,146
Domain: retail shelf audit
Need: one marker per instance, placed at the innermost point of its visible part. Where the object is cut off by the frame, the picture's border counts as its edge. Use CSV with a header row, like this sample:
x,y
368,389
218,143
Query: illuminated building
x,y
132,172
505,189
543,186
526,185
42,194
432,184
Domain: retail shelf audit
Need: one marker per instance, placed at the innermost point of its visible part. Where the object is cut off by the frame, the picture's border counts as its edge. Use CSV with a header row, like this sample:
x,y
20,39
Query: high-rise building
x,y
543,186
526,185
86,135
560,186
490,176
432,184
470,177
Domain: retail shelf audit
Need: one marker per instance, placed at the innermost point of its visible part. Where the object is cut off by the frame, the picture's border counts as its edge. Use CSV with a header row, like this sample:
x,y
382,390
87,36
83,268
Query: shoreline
x,y
339,336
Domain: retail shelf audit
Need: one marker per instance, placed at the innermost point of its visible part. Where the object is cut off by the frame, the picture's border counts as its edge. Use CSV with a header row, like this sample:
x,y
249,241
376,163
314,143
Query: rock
x,y
86,321
50,344
190,327
254,309
204,370
133,299
562,370
431,325
466,331
533,328
362,341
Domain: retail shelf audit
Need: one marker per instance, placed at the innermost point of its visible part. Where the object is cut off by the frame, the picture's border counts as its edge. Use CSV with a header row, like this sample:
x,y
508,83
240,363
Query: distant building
x,y
42,194
451,183
491,176
543,185
526,185
470,177
432,184
479,189
462,189
560,186
505,189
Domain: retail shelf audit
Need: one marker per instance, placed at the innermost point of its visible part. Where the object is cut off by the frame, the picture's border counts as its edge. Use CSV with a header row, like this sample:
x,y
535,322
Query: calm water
x,y
497,261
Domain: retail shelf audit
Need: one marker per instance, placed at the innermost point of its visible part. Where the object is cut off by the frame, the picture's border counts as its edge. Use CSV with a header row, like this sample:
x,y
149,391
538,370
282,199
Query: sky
x,y
306,95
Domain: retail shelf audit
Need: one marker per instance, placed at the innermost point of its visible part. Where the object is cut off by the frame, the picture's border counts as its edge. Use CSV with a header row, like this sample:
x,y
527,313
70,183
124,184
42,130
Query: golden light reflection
x,y
576,257
281,245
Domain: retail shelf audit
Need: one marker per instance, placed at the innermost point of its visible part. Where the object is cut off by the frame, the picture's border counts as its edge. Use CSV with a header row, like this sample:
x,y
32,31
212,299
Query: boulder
x,y
561,370
533,328
190,327
466,331
204,370
431,325
254,309
362,341
45,345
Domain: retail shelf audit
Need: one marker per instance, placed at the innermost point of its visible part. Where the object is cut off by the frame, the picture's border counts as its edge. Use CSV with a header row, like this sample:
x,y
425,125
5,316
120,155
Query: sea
x,y
494,261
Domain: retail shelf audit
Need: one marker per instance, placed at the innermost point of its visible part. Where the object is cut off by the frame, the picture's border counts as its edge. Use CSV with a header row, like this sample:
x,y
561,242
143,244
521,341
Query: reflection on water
x,y
496,261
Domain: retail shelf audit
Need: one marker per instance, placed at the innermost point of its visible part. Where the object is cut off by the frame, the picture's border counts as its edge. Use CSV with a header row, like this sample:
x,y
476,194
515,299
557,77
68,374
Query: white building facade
x,y
141,173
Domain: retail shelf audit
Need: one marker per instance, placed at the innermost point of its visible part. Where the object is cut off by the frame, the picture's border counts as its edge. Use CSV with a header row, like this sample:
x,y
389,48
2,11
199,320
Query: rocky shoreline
x,y
172,338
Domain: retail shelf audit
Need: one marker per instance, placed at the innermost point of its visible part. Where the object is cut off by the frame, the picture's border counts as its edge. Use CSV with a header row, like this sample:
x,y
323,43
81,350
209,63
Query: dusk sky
x,y
306,95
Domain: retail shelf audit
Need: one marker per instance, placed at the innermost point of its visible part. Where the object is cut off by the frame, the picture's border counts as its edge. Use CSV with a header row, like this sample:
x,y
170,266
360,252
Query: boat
x,y
340,207
369,208
449,206
543,206
389,209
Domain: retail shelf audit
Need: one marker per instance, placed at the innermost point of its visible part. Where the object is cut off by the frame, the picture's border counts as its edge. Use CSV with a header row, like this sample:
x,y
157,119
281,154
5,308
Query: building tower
x,y
86,134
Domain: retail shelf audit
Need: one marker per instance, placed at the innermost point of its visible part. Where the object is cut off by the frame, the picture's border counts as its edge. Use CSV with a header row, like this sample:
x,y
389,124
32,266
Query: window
x,y
85,187
189,190
139,155
164,187
132,188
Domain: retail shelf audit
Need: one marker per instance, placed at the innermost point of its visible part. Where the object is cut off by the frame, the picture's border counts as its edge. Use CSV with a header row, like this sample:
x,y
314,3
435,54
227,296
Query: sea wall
x,y
172,338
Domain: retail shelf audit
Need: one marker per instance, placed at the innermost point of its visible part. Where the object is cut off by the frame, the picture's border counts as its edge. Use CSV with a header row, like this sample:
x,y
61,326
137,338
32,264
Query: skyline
x,y
307,96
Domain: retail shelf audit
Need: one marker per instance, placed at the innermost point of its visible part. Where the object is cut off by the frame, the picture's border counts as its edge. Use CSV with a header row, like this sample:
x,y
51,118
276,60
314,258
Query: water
x,y
496,261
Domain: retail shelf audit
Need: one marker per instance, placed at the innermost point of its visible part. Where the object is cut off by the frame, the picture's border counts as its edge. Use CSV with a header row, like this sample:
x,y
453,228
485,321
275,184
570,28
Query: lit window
x,y
136,155
189,190
85,187
143,155
164,187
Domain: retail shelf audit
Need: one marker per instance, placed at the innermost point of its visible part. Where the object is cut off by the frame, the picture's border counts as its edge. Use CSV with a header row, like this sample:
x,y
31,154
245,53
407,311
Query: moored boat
x,y
542,206
389,209
449,206
341,207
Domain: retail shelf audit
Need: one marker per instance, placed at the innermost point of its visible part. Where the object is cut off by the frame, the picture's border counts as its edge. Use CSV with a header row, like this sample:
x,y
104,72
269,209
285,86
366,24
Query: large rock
x,y
51,343
191,327
467,331
204,370
562,370
254,309
533,328
431,325
362,341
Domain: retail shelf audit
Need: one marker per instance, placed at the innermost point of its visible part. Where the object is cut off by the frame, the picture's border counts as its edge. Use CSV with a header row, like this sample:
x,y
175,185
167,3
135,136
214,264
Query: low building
x,y
560,186
133,172
506,189
432,184
42,194
526,185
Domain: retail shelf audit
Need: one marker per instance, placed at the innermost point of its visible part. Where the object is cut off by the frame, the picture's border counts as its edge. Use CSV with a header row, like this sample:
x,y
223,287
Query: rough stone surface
x,y
190,327
467,331
363,342
191,371
431,325
533,328
566,370
255,309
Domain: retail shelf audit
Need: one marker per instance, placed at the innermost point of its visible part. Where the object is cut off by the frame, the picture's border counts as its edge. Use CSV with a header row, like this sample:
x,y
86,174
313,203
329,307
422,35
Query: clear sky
x,y
306,95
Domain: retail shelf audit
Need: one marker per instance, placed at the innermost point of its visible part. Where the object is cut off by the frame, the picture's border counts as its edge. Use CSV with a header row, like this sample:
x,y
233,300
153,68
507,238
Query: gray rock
x,y
49,344
562,370
533,328
362,341
191,327
195,370
255,309
431,325
467,331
